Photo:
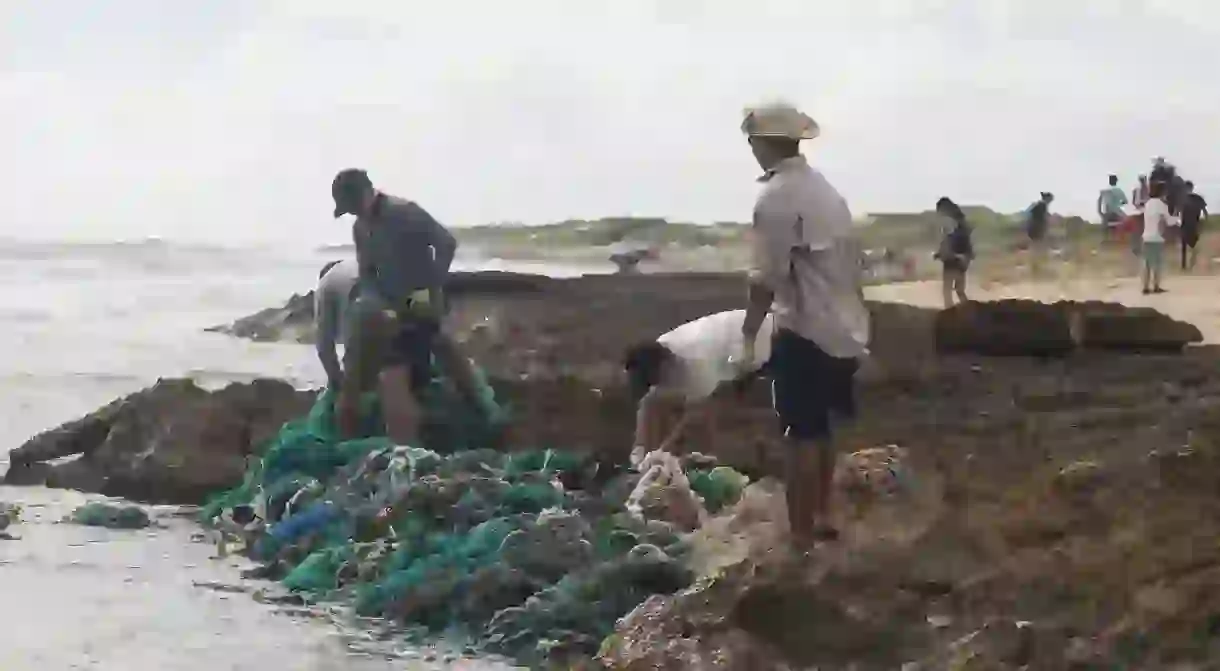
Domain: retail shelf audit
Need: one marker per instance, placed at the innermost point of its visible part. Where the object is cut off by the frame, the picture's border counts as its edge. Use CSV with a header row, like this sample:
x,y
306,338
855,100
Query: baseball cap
x,y
347,188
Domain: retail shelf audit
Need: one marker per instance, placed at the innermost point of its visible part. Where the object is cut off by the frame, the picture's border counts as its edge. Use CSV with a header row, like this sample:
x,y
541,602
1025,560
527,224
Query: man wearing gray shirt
x,y
402,261
805,265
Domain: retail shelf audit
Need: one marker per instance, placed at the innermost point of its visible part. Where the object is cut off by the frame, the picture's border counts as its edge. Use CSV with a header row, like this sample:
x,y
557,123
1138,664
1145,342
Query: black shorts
x,y
1190,235
808,385
412,347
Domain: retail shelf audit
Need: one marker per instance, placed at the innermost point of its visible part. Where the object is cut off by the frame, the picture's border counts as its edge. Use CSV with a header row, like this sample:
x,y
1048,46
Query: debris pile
x,y
532,555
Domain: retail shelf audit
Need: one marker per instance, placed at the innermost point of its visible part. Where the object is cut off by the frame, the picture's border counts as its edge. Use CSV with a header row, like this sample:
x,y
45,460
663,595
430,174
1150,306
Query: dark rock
x,y
1033,328
27,474
293,321
174,442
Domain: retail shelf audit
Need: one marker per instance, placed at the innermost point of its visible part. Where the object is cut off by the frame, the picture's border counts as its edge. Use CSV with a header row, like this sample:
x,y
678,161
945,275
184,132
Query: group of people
x,y
1167,208
804,323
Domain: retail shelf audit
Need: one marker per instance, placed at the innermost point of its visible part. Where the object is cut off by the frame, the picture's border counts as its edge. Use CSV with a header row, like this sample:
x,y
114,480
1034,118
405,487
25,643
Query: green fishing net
x,y
450,534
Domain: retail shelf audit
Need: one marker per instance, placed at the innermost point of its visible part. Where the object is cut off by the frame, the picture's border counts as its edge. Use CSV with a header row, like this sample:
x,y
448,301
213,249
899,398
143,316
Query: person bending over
x,y
331,299
689,364
403,257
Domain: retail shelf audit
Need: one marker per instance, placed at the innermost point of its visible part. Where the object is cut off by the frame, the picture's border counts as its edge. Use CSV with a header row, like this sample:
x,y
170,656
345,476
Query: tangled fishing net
x,y
534,555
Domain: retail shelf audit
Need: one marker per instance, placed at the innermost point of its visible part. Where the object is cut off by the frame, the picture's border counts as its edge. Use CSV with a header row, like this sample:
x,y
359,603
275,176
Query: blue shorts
x,y
808,386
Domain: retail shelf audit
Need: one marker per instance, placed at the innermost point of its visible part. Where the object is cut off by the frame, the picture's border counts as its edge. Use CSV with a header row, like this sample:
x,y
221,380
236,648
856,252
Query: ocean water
x,y
81,325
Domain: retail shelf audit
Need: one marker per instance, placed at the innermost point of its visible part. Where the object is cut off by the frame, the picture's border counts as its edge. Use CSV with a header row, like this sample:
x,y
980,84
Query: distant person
x,y
1157,221
403,257
805,261
1166,174
1139,195
1110,203
955,253
1194,213
1037,224
335,291
690,364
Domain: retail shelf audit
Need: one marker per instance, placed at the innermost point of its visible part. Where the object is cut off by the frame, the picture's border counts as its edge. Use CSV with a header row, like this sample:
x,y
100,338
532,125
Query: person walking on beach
x,y
805,261
691,364
1157,221
403,257
1037,224
1139,195
1110,203
955,253
1194,213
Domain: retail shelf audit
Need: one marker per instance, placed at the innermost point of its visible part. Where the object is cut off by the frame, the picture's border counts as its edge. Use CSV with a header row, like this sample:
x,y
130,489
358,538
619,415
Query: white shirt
x,y
331,299
705,346
1156,211
805,251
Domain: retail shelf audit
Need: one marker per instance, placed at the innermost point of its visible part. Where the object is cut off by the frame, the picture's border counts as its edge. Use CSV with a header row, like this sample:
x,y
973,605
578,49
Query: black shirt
x,y
1192,210
1037,219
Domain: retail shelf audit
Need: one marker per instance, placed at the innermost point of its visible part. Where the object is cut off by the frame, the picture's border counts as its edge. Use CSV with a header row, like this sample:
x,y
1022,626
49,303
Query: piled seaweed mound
x,y
531,555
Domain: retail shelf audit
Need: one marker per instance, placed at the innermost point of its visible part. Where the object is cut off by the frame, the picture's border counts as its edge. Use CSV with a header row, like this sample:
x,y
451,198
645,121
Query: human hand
x,y
745,357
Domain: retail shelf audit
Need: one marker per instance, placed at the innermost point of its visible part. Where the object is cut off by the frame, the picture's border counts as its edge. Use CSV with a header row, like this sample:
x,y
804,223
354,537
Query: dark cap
x,y
348,187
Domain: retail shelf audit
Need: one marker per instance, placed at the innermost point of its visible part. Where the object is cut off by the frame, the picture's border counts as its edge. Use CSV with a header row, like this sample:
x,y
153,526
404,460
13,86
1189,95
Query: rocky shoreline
x,y
1062,516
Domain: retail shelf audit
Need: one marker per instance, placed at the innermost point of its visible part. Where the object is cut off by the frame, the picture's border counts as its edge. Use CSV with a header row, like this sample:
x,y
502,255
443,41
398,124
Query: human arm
x,y
326,327
444,245
364,264
1101,199
771,241
692,412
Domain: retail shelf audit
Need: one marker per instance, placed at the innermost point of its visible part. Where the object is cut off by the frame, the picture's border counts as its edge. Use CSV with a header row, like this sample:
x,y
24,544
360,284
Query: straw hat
x,y
779,120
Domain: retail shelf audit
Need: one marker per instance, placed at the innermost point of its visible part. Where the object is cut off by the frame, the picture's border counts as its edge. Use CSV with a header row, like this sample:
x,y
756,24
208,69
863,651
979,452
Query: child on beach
x,y
1157,223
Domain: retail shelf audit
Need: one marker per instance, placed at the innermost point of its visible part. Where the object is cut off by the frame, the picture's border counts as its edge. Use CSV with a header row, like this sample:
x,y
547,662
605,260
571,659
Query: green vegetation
x,y
894,230
602,232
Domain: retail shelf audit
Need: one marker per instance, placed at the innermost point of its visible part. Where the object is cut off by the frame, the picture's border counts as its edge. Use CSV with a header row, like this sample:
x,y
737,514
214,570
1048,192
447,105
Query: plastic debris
x,y
515,550
111,516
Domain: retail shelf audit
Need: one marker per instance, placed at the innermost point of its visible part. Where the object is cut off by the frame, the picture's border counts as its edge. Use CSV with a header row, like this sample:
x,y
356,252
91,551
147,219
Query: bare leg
x,y
959,285
946,287
1158,261
809,490
460,367
399,405
801,471
362,357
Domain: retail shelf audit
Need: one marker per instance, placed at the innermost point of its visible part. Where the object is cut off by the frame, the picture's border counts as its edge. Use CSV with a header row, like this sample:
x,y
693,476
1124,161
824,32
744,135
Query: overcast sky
x,y
226,119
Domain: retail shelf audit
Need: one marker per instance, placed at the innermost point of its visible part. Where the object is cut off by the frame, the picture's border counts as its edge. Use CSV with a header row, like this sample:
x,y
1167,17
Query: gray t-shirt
x,y
331,298
805,251
401,249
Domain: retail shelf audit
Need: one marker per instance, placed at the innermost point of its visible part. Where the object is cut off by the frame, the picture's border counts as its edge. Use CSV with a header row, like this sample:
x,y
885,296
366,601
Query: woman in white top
x,y
1157,221
689,364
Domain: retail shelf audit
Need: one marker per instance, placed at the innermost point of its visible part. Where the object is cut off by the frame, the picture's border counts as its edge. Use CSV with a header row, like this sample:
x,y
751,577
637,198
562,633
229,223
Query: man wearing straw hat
x,y
806,263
